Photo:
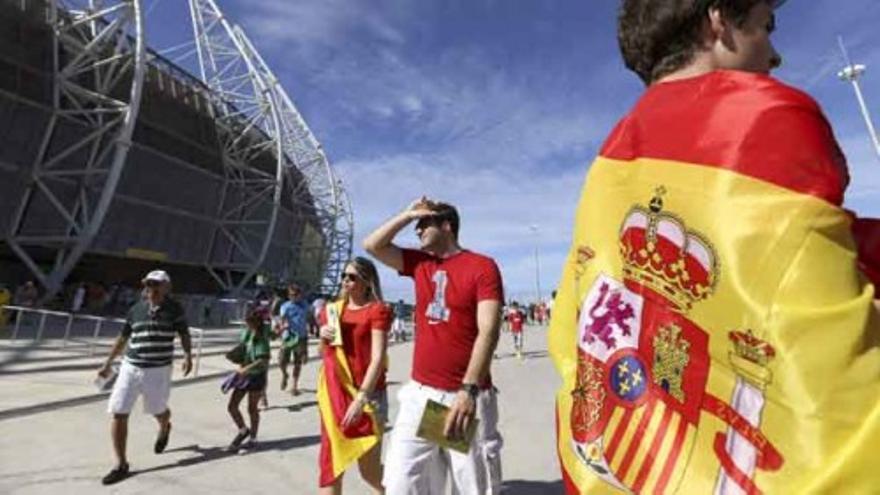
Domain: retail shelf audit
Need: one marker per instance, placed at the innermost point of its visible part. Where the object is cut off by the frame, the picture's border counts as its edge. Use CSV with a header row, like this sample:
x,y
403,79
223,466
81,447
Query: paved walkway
x,y
55,429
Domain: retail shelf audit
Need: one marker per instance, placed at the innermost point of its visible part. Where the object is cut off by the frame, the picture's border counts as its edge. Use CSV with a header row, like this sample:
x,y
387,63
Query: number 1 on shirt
x,y
437,310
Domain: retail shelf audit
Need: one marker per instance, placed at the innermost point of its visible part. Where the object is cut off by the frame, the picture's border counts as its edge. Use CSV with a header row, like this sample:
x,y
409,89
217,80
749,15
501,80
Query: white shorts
x,y
397,325
414,466
153,383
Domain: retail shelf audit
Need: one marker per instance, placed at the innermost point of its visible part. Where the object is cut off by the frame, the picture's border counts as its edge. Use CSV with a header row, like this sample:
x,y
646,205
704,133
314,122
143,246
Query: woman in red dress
x,y
355,376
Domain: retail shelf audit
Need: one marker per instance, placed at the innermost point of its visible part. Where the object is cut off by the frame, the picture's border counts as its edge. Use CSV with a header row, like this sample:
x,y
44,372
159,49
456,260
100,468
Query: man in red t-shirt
x,y
516,318
457,317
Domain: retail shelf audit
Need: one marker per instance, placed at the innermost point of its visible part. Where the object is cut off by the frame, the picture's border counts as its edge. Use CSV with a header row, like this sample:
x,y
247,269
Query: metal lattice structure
x,y
332,205
248,127
98,63
120,157
246,90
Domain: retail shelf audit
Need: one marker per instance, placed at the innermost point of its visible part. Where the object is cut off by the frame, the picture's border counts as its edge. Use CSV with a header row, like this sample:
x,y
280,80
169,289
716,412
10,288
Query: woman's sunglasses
x,y
350,277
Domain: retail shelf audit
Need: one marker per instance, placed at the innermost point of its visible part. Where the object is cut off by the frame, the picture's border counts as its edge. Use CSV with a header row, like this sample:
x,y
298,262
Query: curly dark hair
x,y
658,37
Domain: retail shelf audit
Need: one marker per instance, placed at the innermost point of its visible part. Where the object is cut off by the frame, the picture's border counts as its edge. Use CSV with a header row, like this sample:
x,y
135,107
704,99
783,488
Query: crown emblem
x,y
661,254
670,359
750,358
751,348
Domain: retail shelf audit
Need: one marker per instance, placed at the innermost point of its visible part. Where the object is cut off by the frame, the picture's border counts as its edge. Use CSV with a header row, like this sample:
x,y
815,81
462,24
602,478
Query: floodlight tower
x,y
851,73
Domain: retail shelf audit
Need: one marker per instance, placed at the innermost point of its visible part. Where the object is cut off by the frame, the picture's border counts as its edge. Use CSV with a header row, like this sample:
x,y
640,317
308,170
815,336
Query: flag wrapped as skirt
x,y
336,391
714,325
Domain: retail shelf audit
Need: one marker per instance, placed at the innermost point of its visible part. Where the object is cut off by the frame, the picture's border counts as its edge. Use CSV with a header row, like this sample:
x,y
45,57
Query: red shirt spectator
x,y
447,293
516,318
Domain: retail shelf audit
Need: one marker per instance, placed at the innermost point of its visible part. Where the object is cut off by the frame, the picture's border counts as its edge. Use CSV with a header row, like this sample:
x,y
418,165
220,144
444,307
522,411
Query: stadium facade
x,y
114,160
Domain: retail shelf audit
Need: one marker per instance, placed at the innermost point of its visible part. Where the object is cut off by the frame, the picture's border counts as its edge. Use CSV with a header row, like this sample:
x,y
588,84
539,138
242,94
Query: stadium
x,y
114,160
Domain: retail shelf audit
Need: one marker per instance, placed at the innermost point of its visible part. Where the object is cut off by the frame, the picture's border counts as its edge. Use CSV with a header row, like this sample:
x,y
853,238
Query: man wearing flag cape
x,y
715,326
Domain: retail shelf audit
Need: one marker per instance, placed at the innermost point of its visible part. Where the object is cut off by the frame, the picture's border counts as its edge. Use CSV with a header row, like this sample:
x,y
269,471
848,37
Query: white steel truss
x,y
245,90
316,185
248,129
98,69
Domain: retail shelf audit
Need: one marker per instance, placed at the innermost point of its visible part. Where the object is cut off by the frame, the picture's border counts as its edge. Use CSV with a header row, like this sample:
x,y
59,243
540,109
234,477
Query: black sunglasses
x,y
351,277
425,222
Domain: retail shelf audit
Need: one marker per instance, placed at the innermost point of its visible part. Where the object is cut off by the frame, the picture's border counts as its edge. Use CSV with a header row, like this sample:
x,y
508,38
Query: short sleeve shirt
x,y
151,332
516,319
447,293
357,338
256,347
296,313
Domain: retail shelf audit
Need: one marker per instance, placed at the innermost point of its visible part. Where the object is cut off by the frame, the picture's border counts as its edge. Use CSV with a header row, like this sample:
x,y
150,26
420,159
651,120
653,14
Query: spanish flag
x,y
714,326
336,391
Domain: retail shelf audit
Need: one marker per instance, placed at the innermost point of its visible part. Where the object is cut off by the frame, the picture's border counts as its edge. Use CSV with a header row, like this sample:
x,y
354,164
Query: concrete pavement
x,y
55,429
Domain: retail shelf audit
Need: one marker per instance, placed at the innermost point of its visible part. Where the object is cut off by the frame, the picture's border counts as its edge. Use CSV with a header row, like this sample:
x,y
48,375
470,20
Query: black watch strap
x,y
471,388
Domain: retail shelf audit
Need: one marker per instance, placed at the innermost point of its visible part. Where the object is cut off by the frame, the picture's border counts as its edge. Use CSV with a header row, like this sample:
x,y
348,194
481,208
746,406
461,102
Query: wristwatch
x,y
471,388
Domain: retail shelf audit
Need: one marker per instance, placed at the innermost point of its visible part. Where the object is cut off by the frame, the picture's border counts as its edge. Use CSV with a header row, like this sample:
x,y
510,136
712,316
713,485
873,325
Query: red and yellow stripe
x,y
340,447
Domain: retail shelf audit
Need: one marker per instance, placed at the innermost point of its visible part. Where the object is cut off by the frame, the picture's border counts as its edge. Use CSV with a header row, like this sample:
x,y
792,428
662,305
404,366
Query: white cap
x,y
157,276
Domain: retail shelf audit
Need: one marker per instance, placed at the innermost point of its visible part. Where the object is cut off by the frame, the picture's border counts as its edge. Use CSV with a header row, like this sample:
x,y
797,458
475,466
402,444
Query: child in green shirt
x,y
250,379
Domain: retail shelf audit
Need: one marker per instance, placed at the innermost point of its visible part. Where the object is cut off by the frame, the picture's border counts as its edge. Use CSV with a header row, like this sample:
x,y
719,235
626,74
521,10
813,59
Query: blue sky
x,y
499,106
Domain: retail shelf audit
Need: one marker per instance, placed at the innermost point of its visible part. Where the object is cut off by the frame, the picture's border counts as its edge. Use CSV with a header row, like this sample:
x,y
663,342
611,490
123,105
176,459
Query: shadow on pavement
x,y
97,397
54,369
288,443
213,453
535,354
293,407
525,355
202,455
526,487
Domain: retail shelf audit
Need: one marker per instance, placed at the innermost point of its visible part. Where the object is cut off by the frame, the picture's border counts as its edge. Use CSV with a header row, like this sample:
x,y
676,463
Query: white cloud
x,y
306,25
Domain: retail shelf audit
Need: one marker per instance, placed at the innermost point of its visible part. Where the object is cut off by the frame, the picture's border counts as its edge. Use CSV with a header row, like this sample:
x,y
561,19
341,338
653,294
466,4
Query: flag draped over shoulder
x,y
336,391
713,328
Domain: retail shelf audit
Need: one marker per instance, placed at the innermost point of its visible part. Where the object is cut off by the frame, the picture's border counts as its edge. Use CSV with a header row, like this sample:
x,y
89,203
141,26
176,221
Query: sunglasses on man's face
x,y
152,285
426,222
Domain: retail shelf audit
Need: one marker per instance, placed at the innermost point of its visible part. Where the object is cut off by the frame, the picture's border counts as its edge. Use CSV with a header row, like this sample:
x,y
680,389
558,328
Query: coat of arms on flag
x,y
642,366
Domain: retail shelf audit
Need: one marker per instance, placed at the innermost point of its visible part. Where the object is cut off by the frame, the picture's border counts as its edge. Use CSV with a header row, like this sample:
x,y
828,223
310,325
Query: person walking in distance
x,y
398,327
295,317
516,319
457,318
149,331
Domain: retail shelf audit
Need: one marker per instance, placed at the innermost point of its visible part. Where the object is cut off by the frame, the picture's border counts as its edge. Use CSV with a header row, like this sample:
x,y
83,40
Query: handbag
x,y
237,354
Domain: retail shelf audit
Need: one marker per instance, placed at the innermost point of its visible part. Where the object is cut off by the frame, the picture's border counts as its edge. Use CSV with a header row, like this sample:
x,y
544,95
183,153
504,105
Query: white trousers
x,y
415,466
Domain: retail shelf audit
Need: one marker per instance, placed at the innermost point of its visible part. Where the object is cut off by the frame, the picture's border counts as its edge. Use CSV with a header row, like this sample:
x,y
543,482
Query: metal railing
x,y
99,323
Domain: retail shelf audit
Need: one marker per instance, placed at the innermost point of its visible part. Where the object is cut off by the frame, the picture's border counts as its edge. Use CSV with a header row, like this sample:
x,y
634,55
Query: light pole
x,y
534,229
851,73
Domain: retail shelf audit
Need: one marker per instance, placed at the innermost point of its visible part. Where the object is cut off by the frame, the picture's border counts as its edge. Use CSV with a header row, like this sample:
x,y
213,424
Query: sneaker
x,y
250,444
116,475
240,437
162,440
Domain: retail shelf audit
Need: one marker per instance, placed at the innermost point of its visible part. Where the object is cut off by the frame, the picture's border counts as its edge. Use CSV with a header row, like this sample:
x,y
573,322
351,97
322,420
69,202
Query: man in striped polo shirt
x,y
149,331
